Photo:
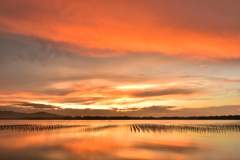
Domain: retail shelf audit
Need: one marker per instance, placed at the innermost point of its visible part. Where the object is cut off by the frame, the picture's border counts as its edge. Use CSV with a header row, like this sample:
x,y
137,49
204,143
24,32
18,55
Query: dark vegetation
x,y
7,115
230,117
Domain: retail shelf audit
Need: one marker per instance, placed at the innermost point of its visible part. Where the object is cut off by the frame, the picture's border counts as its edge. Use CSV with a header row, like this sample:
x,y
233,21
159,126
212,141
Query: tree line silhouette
x,y
224,117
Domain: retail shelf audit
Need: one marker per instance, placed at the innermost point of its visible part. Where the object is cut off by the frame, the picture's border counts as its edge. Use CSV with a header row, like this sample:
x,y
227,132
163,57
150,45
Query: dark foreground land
x,y
9,115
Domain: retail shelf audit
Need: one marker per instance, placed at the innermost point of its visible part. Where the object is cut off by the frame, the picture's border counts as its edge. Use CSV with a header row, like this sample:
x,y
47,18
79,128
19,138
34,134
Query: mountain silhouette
x,y
17,115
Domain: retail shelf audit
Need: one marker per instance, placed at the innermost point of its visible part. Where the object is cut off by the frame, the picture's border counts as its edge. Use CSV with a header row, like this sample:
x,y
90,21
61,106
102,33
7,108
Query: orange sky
x,y
119,54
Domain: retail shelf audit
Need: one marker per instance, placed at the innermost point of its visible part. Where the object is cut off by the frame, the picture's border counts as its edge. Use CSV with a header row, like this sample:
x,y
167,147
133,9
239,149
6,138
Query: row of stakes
x,y
35,127
134,128
97,129
185,128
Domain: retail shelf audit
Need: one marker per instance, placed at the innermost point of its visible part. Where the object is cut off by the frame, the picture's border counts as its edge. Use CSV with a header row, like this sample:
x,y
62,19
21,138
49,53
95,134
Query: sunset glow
x,y
123,57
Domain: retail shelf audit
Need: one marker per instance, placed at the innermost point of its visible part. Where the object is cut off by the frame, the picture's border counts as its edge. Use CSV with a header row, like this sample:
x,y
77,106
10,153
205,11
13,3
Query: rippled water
x,y
153,139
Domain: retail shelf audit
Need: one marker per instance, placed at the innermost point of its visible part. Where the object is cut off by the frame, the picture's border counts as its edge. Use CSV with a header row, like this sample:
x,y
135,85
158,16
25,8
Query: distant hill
x,y
37,115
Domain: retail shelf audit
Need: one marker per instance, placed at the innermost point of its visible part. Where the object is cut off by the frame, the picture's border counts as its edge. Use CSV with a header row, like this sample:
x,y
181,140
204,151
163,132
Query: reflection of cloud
x,y
96,145
161,148
170,148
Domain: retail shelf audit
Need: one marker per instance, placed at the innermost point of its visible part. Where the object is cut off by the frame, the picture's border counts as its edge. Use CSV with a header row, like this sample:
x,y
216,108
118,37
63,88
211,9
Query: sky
x,y
121,57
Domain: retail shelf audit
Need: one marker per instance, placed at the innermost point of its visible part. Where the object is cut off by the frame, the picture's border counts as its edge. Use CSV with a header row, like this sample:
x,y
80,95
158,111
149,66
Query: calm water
x,y
166,140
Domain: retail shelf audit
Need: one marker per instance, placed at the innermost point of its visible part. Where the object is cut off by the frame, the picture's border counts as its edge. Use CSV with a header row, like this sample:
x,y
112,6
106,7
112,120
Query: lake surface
x,y
128,139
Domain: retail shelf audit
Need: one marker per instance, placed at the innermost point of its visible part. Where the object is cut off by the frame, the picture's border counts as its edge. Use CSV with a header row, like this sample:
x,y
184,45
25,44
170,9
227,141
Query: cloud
x,y
155,111
36,105
80,100
58,92
199,29
227,80
164,92
37,66
146,111
36,69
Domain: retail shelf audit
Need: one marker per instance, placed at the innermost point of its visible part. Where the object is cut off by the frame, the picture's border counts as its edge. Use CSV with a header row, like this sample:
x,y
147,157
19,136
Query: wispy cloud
x,y
164,92
36,105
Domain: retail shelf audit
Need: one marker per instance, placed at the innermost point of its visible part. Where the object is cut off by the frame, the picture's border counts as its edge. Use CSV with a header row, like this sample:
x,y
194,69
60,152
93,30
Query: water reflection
x,y
146,128
107,140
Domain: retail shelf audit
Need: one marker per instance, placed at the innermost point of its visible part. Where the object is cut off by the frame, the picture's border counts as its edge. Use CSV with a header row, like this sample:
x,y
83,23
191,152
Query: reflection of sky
x,y
118,143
